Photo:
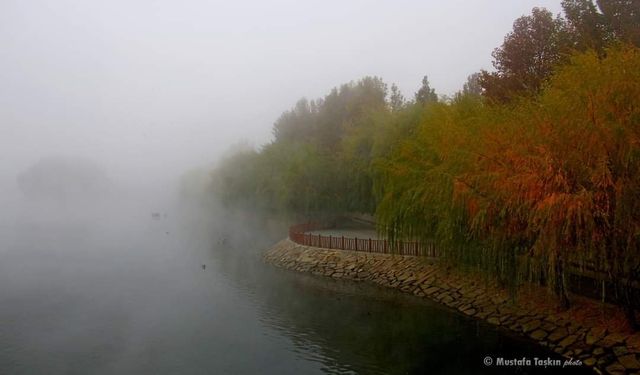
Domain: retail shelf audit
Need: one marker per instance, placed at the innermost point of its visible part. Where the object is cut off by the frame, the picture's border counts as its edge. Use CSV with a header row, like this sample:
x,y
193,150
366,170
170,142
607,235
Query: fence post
x,y
356,243
369,244
342,245
330,238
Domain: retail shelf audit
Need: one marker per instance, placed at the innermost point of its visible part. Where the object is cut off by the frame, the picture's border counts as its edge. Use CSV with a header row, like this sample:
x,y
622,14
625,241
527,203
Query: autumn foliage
x,y
530,173
531,190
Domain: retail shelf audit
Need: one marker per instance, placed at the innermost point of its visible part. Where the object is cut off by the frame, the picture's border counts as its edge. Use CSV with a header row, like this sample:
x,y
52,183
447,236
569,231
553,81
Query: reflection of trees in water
x,y
363,328
354,327
360,328
369,329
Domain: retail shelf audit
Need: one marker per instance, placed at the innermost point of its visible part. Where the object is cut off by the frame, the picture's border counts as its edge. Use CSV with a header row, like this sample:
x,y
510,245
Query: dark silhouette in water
x,y
204,266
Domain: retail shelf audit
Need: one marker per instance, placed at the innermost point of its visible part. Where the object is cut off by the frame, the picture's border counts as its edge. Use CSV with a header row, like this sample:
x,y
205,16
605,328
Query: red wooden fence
x,y
298,234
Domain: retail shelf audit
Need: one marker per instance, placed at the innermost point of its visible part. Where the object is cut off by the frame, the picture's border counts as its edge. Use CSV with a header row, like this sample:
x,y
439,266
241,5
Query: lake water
x,y
119,292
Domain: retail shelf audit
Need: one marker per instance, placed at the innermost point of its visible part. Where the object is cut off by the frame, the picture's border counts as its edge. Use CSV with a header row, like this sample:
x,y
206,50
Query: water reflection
x,y
116,293
360,328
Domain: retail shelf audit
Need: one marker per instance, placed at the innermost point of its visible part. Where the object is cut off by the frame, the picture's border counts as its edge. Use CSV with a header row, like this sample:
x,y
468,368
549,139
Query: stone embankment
x,y
589,331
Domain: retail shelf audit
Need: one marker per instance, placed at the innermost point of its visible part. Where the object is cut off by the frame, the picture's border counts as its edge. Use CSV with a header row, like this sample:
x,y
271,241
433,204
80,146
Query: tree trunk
x,y
561,285
629,298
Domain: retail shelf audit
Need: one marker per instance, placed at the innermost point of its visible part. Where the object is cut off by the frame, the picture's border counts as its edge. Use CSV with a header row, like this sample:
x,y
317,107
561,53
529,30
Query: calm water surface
x,y
117,292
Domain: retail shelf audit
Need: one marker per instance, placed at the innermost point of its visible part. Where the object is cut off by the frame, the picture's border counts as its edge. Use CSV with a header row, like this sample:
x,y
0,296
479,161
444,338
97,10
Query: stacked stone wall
x,y
590,331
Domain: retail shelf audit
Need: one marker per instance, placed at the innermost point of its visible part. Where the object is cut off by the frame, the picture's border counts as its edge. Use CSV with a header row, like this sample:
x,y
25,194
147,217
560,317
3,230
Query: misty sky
x,y
153,87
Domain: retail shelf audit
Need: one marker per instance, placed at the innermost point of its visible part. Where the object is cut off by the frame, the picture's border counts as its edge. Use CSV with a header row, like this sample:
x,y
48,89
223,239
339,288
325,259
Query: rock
x,y
454,303
568,341
524,320
531,325
470,311
589,361
515,327
630,362
615,368
601,362
595,334
411,280
407,288
633,342
620,351
445,298
498,300
431,290
598,351
574,327
557,335
493,320
612,339
538,334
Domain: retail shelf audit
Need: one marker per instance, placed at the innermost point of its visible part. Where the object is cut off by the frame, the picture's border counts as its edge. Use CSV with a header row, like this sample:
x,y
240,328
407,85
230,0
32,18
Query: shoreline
x,y
590,331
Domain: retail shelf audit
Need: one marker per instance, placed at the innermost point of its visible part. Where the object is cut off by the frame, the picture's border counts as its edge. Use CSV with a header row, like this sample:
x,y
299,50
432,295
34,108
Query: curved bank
x,y
589,332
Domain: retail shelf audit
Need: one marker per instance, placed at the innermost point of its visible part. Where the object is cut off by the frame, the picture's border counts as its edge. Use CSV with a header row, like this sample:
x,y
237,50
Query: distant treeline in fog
x,y
527,169
64,178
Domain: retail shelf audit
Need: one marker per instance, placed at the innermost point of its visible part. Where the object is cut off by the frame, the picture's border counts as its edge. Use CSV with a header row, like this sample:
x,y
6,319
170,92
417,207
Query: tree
x,y
527,191
297,123
623,16
426,94
588,27
560,174
396,99
527,56
473,86
595,26
344,106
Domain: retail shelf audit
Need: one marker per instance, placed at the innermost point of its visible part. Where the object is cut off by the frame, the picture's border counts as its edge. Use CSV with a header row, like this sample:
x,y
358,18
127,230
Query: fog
x,y
104,105
151,88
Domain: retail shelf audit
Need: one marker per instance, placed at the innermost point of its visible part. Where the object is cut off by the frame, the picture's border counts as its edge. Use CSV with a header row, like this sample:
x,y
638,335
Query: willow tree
x,y
562,173
415,181
529,190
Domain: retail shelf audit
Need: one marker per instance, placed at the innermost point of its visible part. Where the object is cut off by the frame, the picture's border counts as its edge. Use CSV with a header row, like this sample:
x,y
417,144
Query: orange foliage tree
x,y
559,176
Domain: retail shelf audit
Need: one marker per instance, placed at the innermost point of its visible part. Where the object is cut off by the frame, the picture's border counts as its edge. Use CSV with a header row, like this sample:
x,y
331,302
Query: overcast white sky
x,y
150,86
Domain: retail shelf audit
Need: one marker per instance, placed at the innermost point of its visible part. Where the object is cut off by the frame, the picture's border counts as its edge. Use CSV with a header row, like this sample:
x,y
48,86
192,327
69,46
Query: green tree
x,y
296,124
473,85
396,99
425,93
